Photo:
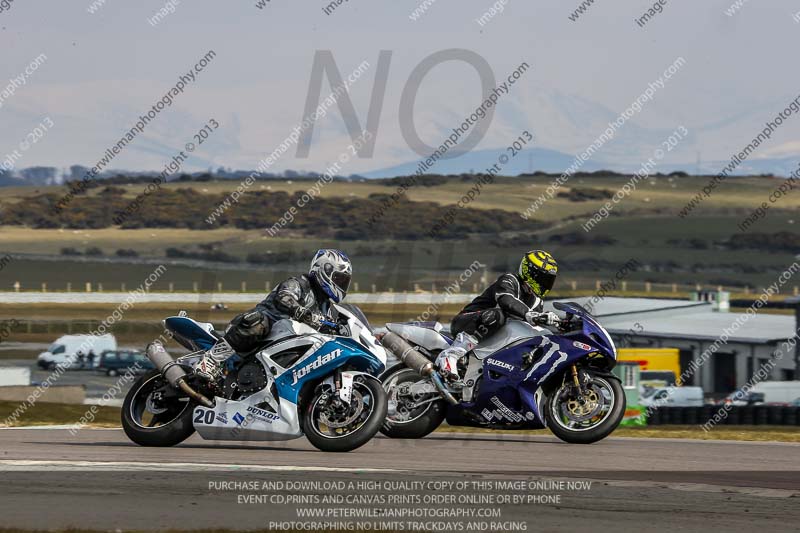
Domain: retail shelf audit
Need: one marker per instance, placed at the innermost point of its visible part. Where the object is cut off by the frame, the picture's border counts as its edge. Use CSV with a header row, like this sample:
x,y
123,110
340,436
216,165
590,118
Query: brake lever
x,y
336,329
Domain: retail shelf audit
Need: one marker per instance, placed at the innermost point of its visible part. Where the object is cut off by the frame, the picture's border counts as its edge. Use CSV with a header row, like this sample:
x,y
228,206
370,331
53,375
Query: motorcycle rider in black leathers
x,y
305,298
518,295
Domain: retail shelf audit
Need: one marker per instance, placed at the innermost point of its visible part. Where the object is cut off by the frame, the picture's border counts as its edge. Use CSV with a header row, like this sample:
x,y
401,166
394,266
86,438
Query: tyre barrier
x,y
749,415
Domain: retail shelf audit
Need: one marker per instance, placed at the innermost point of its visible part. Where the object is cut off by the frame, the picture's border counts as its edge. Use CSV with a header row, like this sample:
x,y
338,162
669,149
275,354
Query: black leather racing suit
x,y
507,296
297,298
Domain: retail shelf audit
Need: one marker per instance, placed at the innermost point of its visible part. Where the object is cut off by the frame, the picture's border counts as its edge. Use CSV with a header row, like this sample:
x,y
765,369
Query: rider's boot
x,y
447,360
210,365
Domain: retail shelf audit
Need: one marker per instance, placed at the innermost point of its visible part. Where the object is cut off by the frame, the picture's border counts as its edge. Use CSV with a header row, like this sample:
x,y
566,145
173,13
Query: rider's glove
x,y
309,317
549,318
315,320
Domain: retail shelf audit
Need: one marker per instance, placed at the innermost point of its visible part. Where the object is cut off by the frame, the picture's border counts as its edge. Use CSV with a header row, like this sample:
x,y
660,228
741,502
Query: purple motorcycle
x,y
522,377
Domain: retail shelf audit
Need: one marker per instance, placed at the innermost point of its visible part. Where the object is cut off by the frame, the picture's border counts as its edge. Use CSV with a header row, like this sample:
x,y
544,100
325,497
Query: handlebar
x,y
334,328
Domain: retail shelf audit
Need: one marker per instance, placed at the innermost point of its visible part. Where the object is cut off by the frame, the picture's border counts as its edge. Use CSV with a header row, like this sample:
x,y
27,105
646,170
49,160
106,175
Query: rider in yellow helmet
x,y
519,295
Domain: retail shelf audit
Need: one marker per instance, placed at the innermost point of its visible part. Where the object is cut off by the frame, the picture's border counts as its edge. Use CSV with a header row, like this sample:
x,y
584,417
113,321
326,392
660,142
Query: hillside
x,y
394,250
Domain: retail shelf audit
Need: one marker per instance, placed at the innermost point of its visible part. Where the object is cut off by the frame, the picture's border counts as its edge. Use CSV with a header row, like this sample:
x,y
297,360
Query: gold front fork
x,y
575,376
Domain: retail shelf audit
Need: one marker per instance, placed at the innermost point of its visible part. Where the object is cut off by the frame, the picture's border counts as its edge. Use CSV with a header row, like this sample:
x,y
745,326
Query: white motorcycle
x,y
320,384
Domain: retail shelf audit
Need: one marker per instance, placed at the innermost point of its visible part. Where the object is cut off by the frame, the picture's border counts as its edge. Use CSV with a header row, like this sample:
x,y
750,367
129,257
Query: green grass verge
x,y
43,414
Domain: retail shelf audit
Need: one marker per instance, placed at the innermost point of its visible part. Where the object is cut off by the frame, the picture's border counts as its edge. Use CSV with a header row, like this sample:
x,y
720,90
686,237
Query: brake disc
x,y
589,408
335,420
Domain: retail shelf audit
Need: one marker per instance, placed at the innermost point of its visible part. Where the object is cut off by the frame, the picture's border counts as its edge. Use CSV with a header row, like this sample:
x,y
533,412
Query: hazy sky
x,y
105,69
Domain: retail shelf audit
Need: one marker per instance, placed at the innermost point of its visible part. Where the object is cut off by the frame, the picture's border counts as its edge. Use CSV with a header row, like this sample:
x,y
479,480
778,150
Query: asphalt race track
x,y
98,479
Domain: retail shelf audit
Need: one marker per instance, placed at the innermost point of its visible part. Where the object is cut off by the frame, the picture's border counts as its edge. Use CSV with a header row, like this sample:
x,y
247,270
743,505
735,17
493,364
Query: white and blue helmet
x,y
332,271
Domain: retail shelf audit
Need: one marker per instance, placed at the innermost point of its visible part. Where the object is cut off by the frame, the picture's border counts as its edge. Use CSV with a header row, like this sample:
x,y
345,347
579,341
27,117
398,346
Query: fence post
x,y
647,286
99,287
433,288
355,286
795,291
597,284
219,286
16,286
122,286
574,285
44,288
416,287
244,286
674,287
624,286
194,286
69,287
373,287
88,286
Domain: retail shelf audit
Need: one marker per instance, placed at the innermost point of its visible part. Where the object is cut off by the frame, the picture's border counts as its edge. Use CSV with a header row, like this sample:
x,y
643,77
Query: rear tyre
x,y
333,427
148,421
589,417
407,420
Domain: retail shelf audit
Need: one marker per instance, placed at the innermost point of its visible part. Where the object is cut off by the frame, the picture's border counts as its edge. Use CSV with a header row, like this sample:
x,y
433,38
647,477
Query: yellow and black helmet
x,y
538,270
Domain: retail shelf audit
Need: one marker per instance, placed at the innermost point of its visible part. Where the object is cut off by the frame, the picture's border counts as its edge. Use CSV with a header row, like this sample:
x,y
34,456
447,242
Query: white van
x,y
78,351
777,391
673,397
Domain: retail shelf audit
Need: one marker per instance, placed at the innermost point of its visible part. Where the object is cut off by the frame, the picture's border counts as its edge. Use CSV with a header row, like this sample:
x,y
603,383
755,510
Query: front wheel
x,y
334,426
587,415
151,418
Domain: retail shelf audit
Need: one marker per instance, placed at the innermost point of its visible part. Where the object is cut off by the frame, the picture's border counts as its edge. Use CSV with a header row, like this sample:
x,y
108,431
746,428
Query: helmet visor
x,y
546,281
341,280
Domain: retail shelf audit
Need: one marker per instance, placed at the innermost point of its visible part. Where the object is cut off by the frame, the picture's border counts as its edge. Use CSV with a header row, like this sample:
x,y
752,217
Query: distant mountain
x,y
553,161
479,160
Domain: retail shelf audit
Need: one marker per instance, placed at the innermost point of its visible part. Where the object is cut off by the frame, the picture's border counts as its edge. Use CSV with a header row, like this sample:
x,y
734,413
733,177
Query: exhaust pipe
x,y
417,362
173,372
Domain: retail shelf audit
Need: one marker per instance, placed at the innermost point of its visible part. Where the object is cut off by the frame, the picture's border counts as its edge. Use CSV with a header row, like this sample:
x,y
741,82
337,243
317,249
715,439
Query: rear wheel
x,y
150,418
415,409
587,415
334,426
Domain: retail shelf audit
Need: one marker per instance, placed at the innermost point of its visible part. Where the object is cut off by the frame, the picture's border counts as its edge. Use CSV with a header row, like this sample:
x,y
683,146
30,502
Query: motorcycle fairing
x,y
591,329
331,355
244,421
510,390
190,333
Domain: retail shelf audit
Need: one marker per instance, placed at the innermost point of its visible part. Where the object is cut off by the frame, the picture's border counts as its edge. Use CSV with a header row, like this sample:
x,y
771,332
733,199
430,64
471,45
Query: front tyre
x,y
334,426
589,415
150,419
